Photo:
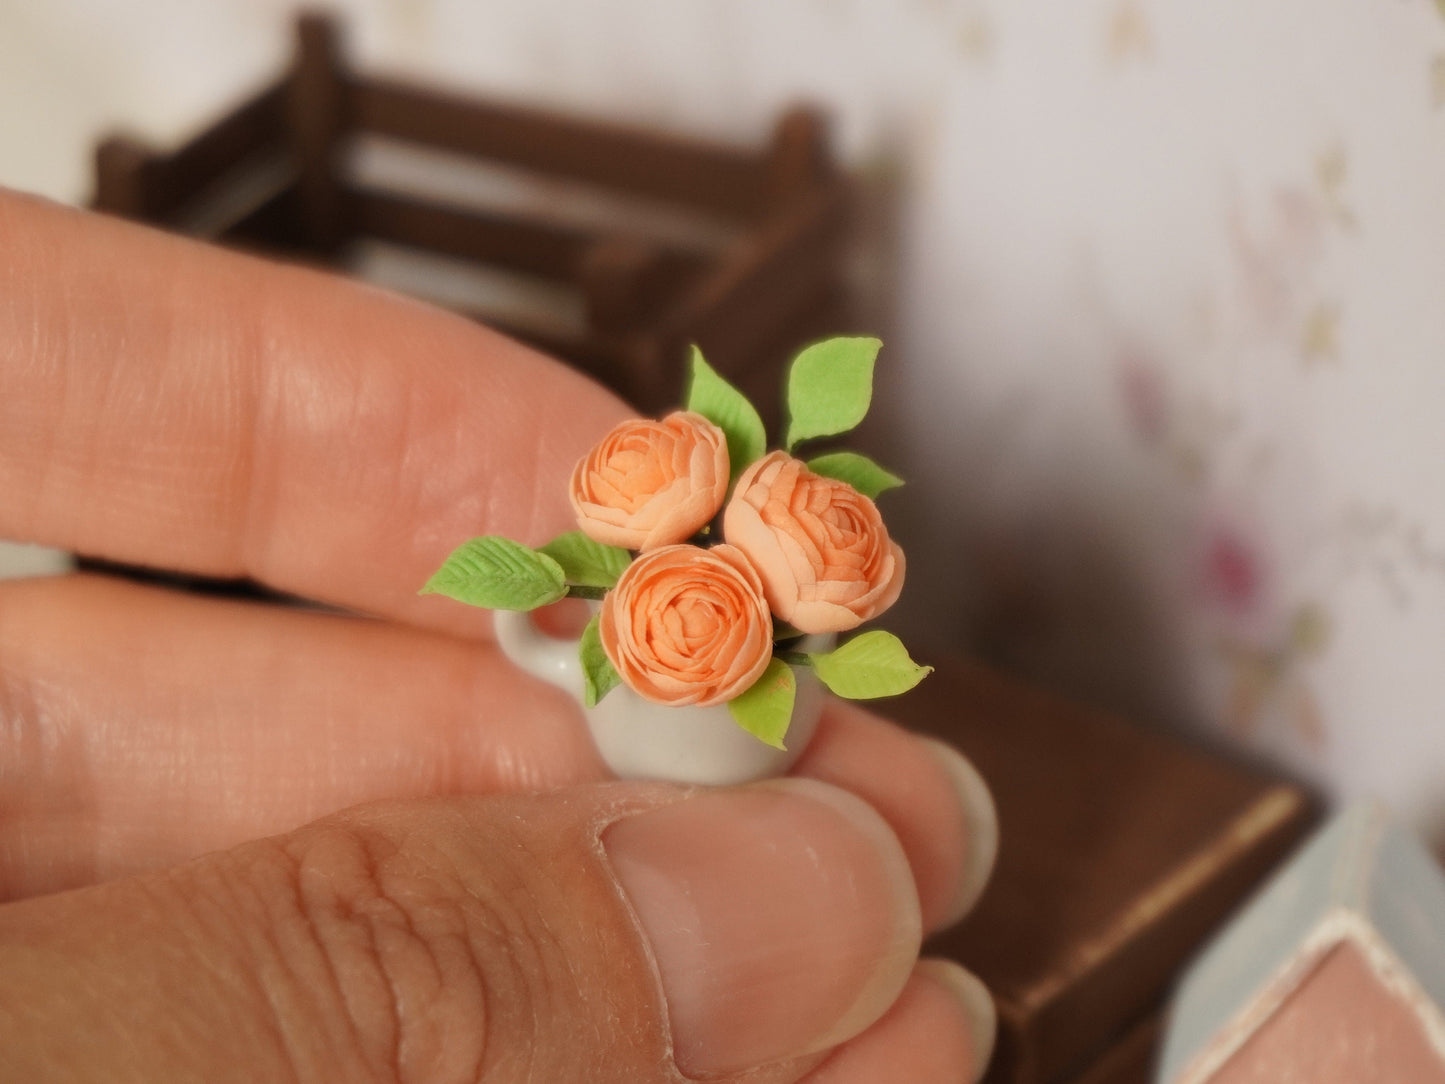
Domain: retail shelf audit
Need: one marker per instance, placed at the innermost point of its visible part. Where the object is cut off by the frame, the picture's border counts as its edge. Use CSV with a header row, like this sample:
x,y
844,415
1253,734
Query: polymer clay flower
x,y
689,624
651,483
686,625
819,546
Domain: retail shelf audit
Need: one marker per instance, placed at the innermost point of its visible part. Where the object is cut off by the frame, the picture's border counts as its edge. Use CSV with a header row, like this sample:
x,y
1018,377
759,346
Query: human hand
x,y
498,911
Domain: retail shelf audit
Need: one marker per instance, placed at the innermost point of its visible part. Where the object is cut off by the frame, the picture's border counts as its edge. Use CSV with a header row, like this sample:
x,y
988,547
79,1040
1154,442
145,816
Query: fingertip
x,y
939,1031
782,918
977,1003
981,818
935,801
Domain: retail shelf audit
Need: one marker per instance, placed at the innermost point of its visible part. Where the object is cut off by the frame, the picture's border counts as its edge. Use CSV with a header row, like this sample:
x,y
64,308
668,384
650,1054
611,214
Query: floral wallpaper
x,y
1164,311
1217,498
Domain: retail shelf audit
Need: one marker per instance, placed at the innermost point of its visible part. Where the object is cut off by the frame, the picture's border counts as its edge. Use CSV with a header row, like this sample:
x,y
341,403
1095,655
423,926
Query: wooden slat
x,y
598,360
133,180
316,122
513,241
799,161
273,227
626,282
1131,1059
1122,851
125,171
766,277
516,242
693,172
248,132
760,373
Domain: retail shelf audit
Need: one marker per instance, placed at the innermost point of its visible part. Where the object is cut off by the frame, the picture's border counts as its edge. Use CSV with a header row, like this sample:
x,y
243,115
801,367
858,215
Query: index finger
x,y
169,404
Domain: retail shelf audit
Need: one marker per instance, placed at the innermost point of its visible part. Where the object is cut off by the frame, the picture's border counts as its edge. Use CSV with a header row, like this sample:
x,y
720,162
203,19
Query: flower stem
x,y
579,590
795,658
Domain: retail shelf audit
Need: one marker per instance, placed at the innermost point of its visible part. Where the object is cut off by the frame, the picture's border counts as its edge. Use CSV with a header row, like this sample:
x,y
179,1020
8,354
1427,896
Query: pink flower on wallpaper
x,y
1274,252
1233,571
1144,395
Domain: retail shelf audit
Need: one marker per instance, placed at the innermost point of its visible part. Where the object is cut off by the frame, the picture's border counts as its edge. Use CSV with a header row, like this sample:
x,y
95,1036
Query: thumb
x,y
619,932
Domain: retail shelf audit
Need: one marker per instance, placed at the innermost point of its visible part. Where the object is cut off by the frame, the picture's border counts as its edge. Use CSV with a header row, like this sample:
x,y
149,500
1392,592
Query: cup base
x,y
641,740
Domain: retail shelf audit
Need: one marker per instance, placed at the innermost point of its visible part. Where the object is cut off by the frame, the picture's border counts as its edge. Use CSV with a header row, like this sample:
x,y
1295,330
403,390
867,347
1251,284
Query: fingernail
x,y
977,1004
981,819
782,917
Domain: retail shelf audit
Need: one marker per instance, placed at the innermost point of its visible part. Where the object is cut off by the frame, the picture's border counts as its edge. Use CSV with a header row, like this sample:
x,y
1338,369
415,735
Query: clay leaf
x,y
586,561
598,675
727,408
860,472
499,574
766,709
869,666
830,386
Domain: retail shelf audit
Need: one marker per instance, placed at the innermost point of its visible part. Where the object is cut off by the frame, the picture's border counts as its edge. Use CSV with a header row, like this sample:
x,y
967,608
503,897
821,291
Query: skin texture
x,y
169,405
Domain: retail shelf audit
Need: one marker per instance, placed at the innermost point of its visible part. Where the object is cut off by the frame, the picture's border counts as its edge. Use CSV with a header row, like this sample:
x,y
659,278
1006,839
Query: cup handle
x,y
552,659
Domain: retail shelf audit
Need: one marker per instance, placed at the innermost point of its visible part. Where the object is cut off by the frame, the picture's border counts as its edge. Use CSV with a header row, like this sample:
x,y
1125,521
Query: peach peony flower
x,y
686,625
819,545
650,484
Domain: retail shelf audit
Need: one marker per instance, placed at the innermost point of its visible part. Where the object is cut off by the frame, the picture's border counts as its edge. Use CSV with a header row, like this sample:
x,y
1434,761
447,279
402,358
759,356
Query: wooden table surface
x,y
1120,851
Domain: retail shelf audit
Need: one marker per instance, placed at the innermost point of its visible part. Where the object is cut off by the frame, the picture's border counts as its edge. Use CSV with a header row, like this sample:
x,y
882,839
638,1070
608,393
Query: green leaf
x,y
585,561
499,574
869,666
598,676
830,385
860,472
766,709
727,408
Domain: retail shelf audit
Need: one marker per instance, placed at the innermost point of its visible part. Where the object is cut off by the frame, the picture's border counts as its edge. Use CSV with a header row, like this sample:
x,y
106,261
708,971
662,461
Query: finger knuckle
x,y
431,977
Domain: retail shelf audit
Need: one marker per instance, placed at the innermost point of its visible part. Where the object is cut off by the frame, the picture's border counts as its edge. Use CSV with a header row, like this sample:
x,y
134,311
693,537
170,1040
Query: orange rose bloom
x,y
686,625
819,545
650,484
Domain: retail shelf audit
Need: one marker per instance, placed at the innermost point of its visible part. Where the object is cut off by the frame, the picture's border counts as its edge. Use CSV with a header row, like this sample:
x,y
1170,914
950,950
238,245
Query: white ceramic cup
x,y
642,740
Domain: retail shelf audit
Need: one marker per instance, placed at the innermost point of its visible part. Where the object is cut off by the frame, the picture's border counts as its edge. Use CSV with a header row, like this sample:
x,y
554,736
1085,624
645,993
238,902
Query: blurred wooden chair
x,y
610,247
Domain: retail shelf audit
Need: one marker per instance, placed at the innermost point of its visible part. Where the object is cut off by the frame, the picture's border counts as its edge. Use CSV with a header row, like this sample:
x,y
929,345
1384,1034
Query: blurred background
x,y
1160,284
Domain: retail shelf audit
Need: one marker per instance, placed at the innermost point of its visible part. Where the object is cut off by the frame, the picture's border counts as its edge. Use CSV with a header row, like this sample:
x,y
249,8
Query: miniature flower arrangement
x,y
723,571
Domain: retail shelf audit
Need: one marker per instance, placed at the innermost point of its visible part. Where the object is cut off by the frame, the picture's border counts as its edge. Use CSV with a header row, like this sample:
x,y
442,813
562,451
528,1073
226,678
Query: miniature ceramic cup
x,y
642,740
